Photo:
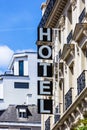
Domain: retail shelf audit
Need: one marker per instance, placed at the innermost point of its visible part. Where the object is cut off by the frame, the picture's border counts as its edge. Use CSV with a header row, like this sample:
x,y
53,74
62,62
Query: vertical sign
x,y
45,87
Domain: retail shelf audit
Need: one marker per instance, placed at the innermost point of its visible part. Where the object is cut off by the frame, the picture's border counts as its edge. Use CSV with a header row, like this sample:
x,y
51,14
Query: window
x,y
21,85
22,113
29,95
60,36
21,68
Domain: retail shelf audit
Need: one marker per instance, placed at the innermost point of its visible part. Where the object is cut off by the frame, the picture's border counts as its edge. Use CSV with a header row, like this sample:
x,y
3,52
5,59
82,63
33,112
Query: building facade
x,y
68,21
19,84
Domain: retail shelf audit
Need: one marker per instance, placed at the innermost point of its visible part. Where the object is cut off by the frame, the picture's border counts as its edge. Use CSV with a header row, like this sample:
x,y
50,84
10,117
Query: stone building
x,y
68,21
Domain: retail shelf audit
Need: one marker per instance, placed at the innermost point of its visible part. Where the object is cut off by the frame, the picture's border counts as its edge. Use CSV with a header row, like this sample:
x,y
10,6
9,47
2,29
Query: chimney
x,y
43,8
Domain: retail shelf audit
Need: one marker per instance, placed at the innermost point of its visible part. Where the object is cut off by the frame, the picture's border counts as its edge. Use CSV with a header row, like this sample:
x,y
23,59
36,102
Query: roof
x,y
11,115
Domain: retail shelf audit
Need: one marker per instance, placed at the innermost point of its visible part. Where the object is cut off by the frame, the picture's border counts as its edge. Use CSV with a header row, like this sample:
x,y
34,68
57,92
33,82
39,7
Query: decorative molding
x,y
73,3
85,18
85,32
72,114
62,22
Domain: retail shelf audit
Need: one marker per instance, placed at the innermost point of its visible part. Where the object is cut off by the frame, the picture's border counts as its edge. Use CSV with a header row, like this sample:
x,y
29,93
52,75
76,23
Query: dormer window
x,y
23,111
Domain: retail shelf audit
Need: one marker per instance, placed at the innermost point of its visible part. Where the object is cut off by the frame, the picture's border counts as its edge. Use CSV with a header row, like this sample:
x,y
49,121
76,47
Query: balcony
x,y
69,37
82,15
80,31
81,82
56,118
47,124
68,53
68,98
57,113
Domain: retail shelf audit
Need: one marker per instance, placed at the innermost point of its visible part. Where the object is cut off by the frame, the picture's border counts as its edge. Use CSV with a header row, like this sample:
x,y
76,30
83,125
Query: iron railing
x,y
81,82
57,113
47,124
47,13
68,98
82,15
56,117
69,37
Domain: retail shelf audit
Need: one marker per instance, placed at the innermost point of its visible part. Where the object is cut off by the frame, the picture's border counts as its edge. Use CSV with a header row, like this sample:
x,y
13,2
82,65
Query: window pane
x,y
21,68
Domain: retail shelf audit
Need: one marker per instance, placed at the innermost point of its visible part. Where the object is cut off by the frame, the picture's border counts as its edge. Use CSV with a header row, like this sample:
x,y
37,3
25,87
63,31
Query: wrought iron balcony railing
x,y
81,82
82,15
46,13
69,37
47,124
68,98
56,117
57,113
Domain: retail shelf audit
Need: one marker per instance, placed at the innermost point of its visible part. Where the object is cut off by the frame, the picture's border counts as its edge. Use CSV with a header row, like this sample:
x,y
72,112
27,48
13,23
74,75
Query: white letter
x,y
42,107
41,51
45,34
45,85
45,68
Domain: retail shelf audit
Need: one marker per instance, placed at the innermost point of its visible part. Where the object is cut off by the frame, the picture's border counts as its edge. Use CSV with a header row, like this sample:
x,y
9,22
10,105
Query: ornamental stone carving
x,y
73,3
62,22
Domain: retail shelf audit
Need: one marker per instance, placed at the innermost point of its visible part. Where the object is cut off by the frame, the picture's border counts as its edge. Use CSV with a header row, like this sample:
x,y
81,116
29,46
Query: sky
x,y
18,28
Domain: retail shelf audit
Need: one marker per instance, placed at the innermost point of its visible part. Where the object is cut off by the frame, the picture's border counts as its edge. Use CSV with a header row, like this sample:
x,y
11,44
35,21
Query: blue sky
x,y
18,26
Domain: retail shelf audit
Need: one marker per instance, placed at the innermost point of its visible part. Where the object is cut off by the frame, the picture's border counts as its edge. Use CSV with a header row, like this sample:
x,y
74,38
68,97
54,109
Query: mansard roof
x,y
11,114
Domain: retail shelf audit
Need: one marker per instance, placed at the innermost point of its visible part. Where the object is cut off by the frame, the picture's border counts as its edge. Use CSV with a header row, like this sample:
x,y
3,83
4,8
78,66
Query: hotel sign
x,y
44,67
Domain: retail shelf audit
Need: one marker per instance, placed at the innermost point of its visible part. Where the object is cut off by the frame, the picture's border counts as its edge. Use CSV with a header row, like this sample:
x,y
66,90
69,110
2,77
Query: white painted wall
x,y
18,96
1,90
26,67
16,68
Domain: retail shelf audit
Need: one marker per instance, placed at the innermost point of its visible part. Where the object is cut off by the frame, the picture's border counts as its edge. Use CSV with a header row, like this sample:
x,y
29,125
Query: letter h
x,y
45,34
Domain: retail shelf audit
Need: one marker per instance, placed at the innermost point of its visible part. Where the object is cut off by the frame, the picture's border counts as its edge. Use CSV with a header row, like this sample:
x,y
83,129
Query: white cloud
x,y
5,56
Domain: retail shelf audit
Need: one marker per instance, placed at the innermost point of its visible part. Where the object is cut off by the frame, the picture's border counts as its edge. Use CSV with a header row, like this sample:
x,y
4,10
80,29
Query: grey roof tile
x,y
11,115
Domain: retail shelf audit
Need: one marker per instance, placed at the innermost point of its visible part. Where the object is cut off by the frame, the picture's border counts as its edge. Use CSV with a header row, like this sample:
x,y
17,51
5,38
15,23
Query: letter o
x,y
41,52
